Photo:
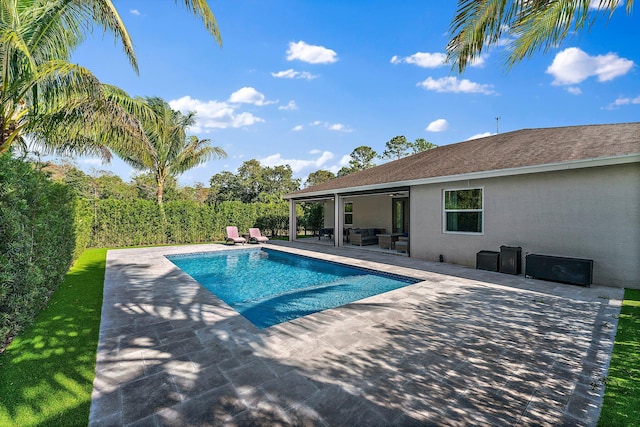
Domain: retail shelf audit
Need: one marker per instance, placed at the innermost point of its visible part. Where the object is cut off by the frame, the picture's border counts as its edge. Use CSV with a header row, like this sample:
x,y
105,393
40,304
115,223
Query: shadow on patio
x,y
452,353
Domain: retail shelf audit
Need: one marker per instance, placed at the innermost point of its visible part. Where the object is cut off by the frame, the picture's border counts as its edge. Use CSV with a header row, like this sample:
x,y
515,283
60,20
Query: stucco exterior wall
x,y
328,213
368,212
371,212
589,213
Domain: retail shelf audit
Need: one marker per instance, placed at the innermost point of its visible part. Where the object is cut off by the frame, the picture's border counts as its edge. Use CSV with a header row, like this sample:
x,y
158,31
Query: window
x,y
348,213
463,211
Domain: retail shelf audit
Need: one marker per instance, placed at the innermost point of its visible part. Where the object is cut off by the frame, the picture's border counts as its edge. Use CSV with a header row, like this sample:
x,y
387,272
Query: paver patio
x,y
462,347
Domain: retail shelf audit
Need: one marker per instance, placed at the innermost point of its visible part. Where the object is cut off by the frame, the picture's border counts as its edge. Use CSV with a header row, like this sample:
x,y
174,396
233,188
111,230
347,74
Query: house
x,y
568,191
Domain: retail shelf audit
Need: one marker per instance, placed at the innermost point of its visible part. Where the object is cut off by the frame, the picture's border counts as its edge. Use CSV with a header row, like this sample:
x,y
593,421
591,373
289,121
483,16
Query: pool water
x,y
270,287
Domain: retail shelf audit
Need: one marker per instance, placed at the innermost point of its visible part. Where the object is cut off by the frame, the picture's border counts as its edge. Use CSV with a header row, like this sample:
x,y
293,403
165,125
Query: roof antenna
x,y
497,120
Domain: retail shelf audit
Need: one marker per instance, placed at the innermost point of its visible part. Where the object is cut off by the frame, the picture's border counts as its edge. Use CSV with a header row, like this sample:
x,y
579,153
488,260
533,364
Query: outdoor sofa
x,y
365,236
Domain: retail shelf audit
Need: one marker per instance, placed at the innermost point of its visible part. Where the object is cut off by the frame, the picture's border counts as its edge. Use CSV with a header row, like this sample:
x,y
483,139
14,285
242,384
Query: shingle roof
x,y
518,149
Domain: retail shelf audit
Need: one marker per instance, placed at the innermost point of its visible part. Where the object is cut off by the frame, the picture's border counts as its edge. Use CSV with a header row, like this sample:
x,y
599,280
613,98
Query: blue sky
x,y
305,82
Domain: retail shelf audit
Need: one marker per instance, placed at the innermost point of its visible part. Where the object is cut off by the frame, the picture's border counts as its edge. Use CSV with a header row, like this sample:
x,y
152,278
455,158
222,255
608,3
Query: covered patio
x,y
372,219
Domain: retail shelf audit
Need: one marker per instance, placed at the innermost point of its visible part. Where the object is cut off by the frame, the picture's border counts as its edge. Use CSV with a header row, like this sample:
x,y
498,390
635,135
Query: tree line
x,y
252,182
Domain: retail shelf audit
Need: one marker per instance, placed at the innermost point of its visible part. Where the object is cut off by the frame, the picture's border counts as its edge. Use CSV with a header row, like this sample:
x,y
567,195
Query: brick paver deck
x,y
463,347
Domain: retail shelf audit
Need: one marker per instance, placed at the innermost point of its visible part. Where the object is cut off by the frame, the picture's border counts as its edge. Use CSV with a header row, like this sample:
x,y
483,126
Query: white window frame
x,y
345,213
445,211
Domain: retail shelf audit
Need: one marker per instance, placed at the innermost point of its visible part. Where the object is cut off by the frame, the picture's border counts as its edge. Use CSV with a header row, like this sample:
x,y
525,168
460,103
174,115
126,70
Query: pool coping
x,y
170,354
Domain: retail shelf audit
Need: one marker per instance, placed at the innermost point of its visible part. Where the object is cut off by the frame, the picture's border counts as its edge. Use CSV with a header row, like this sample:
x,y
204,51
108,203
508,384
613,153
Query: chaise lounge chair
x,y
233,236
256,236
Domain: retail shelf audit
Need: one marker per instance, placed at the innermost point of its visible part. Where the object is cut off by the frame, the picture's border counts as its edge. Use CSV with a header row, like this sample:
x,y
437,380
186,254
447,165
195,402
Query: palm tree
x,y
530,24
58,104
172,152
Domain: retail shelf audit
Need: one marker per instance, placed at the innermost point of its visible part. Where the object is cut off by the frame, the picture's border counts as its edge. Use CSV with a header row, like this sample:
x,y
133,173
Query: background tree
x,y
313,212
421,144
278,181
250,180
69,174
361,159
198,193
223,187
396,148
146,187
528,26
172,152
252,183
319,177
107,185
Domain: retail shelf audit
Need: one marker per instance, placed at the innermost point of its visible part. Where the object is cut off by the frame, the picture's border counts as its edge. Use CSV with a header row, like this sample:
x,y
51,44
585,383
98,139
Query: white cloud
x,y
478,61
623,101
573,66
92,161
290,106
214,114
315,151
135,12
452,84
297,128
248,95
310,53
574,90
480,135
601,4
422,59
344,161
439,125
292,74
298,165
338,127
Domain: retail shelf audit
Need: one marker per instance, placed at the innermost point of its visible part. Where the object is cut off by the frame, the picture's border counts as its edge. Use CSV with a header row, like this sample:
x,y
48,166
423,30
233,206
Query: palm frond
x,y
201,8
533,24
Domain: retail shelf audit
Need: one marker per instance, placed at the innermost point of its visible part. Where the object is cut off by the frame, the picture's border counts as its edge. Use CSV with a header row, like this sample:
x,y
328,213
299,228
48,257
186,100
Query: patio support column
x,y
338,219
293,225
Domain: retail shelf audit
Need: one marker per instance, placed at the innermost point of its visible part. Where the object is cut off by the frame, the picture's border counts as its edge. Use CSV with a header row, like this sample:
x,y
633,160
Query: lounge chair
x,y
256,236
233,236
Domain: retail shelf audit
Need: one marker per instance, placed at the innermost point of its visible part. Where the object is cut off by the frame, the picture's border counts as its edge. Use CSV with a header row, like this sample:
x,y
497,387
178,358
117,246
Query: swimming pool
x,y
269,287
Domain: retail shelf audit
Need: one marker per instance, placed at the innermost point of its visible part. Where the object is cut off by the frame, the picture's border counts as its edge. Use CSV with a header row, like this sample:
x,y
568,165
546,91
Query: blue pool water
x,y
270,287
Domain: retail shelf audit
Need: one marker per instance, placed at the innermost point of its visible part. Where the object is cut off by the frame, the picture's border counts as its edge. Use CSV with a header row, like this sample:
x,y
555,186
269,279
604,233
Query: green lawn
x,y
46,373
622,393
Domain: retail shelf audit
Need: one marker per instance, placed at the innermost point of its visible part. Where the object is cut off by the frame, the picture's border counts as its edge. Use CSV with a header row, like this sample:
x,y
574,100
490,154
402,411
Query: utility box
x,y
488,260
574,271
510,259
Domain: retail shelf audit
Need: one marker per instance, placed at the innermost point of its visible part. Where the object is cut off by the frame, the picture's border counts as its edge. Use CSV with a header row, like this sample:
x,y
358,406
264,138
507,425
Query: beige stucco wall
x,y
371,212
589,213
368,212
328,213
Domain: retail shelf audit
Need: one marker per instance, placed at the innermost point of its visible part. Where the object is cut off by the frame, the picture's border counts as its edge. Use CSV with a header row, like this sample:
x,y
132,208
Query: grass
x,y
46,373
622,393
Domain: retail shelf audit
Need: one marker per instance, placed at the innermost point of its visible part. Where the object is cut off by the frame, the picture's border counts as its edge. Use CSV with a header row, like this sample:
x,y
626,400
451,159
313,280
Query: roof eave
x,y
549,167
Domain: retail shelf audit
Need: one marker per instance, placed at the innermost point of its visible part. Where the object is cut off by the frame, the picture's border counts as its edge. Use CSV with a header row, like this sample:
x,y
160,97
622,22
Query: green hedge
x,y
37,241
43,227
139,222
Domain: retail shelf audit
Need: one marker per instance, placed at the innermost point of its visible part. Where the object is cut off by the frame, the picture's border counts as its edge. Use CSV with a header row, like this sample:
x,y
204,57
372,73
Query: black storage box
x,y
510,259
488,260
574,271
